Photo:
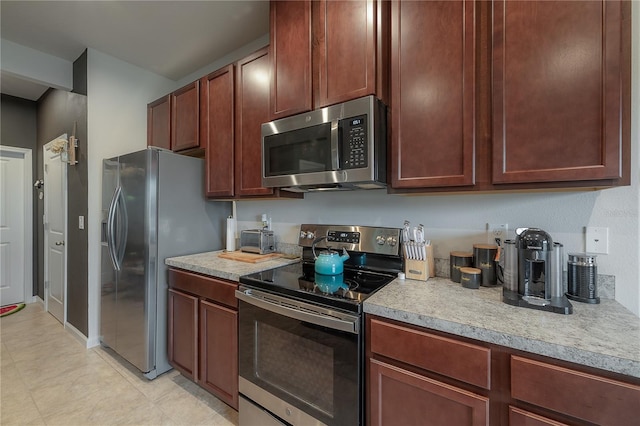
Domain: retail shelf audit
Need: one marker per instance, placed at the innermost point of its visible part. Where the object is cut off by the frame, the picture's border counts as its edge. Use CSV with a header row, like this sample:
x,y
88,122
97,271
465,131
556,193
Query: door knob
x,y
59,243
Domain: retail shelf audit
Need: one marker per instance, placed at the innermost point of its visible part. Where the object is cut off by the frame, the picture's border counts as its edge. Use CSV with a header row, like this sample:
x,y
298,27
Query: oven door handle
x,y
301,311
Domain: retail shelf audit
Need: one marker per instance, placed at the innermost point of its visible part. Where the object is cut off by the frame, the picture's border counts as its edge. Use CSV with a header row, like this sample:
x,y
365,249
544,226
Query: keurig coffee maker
x,y
536,282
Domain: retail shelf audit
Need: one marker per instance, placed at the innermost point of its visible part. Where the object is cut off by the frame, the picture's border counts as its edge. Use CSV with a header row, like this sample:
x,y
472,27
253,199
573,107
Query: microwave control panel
x,y
354,143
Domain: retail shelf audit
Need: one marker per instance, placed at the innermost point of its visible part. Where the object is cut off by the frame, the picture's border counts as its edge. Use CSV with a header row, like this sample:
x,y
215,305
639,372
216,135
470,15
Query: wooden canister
x,y
457,260
470,277
484,258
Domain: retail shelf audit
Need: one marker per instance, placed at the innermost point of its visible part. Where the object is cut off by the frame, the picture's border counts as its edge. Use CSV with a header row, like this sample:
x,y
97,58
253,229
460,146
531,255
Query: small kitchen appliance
x,y
582,278
300,332
537,282
259,241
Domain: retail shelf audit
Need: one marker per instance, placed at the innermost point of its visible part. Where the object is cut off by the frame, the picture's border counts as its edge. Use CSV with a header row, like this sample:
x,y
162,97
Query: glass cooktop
x,y
344,291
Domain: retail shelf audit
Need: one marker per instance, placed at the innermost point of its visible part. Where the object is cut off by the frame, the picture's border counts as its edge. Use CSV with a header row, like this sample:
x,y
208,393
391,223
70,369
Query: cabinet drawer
x,y
574,393
518,417
458,360
210,288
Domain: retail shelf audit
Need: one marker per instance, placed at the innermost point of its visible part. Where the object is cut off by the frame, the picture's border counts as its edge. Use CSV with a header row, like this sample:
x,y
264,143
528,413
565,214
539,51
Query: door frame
x,y
46,238
26,155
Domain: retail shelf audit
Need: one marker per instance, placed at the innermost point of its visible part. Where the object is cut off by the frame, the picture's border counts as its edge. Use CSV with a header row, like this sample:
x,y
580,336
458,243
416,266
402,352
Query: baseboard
x,y
93,342
77,334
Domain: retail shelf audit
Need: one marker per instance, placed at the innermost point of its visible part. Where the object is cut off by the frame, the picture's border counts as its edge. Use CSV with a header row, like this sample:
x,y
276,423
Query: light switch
x,y
80,222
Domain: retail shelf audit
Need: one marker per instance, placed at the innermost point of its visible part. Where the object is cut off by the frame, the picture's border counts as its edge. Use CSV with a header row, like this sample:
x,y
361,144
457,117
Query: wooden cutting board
x,y
248,257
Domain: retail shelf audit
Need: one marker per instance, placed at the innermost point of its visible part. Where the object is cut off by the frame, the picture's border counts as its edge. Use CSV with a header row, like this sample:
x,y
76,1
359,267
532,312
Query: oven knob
x,y
311,235
392,241
380,240
303,235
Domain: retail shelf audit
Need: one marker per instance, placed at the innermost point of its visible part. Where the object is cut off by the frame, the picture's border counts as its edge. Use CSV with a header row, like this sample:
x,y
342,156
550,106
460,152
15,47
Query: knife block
x,y
416,269
420,270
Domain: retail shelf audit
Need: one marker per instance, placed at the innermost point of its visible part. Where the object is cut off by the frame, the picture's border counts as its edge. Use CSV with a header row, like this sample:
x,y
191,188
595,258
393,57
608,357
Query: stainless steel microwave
x,y
339,147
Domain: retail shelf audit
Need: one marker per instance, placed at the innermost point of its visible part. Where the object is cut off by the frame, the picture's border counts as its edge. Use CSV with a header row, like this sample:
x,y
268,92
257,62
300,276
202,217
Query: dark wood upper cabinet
x,y
349,50
290,36
217,131
252,109
159,123
433,49
557,99
508,95
185,112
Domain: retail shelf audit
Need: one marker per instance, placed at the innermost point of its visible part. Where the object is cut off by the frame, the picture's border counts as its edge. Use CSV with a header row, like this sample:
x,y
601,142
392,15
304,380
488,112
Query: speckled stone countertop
x,y
210,264
605,336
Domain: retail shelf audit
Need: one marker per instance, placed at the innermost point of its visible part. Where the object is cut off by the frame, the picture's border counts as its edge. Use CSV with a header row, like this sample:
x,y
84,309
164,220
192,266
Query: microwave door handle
x,y
335,153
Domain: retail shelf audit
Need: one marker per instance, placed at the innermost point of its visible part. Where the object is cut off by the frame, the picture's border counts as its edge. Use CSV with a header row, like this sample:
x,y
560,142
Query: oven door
x,y
299,361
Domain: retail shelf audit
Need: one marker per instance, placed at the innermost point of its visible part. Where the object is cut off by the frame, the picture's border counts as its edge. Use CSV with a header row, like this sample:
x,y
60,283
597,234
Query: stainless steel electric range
x,y
301,351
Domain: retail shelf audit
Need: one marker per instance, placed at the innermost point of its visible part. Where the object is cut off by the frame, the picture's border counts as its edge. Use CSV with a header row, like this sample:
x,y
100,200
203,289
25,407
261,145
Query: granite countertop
x,y
210,264
605,335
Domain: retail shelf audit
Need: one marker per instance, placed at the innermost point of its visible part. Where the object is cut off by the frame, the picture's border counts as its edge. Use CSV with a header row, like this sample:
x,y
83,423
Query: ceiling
x,y
169,38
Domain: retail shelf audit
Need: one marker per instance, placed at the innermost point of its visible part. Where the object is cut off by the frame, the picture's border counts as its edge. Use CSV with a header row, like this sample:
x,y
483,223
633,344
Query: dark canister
x,y
470,277
484,258
582,278
457,260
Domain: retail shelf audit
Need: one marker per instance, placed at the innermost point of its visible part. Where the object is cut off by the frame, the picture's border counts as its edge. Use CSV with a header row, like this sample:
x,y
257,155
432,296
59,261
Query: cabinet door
x,y
185,111
556,91
290,35
433,93
159,123
219,352
252,109
400,397
183,333
217,131
344,50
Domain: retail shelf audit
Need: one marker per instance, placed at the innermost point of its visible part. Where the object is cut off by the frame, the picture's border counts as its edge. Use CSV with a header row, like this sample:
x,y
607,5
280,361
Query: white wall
x,y
455,222
118,93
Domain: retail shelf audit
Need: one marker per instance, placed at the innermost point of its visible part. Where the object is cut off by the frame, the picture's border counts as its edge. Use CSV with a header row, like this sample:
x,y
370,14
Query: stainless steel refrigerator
x,y
153,207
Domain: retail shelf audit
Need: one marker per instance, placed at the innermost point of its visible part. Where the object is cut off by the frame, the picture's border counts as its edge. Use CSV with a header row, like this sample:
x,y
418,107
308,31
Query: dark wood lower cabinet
x,y
203,332
418,376
183,333
519,417
401,397
218,360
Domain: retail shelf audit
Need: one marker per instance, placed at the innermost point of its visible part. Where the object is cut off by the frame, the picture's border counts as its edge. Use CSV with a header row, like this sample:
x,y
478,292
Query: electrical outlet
x,y
597,240
496,230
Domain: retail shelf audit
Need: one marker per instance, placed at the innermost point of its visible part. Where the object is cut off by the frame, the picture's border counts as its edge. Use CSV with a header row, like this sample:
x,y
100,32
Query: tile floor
x,y
48,378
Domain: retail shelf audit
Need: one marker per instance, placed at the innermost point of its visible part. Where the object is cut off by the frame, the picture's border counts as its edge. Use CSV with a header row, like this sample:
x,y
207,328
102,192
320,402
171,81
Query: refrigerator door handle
x,y
123,228
111,244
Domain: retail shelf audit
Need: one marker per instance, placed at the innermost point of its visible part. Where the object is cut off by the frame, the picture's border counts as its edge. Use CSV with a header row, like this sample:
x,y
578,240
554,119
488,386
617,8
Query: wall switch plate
x,y
597,240
496,230
80,222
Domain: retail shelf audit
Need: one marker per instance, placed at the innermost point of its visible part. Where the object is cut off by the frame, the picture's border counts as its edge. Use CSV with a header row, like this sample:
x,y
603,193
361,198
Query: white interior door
x,y
55,220
15,226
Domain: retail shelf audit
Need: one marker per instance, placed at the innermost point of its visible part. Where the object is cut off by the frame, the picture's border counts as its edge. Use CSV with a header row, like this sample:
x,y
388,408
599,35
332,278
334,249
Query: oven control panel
x,y
343,237
367,239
